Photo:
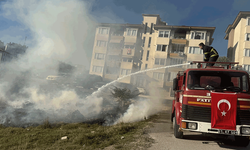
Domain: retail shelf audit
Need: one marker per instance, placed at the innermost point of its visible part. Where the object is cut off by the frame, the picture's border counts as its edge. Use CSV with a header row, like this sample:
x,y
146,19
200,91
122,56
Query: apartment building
x,y
121,49
238,36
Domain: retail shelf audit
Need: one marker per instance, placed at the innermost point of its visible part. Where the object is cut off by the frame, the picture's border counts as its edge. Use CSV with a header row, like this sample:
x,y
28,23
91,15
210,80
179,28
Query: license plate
x,y
231,132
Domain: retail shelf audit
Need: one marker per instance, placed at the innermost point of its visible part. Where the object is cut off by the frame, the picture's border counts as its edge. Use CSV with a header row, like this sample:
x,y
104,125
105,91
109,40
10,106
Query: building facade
x,y
4,56
238,36
121,49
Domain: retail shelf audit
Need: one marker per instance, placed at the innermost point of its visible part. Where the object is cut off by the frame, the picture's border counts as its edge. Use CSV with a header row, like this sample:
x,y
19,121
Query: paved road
x,y
162,132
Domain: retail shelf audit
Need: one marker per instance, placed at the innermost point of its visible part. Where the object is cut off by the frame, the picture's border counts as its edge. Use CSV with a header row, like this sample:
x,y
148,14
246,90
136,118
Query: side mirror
x,y
175,84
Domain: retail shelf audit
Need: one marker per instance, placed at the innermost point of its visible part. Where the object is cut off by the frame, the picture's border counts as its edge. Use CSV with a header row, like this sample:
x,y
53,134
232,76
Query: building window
x,y
147,56
126,59
101,43
146,66
149,41
141,54
177,48
158,76
131,32
103,31
99,56
195,50
143,41
125,71
117,33
198,35
160,61
164,34
248,21
175,61
151,29
171,76
161,48
246,68
247,52
97,69
145,28
248,37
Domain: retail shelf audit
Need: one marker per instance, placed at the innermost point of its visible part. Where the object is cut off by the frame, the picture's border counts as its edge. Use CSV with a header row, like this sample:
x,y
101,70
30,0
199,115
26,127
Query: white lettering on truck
x,y
203,100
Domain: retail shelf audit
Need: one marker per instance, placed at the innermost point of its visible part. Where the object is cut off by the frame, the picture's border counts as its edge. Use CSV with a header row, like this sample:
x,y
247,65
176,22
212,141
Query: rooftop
x,y
120,25
152,15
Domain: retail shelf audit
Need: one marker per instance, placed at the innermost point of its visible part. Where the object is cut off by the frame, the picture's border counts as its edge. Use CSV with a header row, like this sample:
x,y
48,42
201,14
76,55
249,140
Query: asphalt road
x,y
163,134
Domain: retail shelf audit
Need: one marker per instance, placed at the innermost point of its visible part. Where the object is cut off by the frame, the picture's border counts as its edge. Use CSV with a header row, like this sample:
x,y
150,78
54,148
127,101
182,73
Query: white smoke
x,y
143,108
59,30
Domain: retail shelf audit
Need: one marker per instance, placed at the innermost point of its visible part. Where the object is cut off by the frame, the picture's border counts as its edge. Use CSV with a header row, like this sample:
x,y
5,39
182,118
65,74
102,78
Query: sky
x,y
213,13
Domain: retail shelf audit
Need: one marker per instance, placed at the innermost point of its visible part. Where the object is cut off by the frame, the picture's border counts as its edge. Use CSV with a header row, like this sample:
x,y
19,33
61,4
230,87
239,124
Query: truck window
x,y
235,81
245,83
224,80
184,79
210,80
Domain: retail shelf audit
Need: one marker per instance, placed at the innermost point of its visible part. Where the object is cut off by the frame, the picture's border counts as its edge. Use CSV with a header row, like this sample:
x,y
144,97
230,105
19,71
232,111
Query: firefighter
x,y
210,54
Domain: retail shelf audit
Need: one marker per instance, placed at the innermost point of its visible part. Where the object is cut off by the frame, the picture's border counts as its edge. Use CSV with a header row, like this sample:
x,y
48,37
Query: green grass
x,y
80,136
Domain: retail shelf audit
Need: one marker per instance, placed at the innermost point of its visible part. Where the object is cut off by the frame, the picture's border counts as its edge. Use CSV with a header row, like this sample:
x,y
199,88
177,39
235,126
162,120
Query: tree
x,y
222,59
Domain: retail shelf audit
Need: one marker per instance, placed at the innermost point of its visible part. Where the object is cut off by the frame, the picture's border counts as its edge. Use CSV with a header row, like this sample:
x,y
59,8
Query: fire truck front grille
x,y
196,113
204,114
243,117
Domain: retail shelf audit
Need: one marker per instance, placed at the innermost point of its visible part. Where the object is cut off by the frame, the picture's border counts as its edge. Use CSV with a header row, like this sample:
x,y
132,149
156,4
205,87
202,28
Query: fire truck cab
x,y
191,107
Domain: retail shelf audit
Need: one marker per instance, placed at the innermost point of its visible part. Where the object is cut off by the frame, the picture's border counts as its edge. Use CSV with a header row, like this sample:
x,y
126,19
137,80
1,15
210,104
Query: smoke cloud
x,y
60,32
143,108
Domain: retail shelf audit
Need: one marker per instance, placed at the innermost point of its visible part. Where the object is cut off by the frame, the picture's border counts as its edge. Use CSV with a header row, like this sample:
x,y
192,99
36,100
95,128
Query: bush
x,y
124,93
46,124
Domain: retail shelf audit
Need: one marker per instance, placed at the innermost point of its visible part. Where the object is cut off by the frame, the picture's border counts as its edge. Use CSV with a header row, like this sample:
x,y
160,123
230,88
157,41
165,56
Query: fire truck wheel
x,y
242,141
178,134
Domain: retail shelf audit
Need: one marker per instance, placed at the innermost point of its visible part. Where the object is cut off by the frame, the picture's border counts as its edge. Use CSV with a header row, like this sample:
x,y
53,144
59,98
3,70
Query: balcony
x,y
176,55
115,49
102,37
128,52
247,29
177,50
127,65
98,62
116,38
179,41
115,52
113,63
130,40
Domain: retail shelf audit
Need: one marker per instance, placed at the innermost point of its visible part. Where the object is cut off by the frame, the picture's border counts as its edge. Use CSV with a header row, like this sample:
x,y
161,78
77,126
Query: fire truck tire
x,y
178,134
241,141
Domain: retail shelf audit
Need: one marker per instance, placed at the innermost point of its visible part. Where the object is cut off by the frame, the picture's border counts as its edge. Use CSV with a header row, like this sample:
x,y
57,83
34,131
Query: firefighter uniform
x,y
210,55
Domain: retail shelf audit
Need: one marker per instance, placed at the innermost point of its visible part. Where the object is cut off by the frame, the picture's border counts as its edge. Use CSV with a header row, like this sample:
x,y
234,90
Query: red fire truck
x,y
191,108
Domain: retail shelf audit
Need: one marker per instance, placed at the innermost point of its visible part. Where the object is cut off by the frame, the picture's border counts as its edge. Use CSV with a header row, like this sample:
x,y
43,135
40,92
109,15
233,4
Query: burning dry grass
x,y
79,136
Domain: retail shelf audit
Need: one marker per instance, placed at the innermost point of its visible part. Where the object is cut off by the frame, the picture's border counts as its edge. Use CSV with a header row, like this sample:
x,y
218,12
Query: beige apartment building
x,y
238,36
121,49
